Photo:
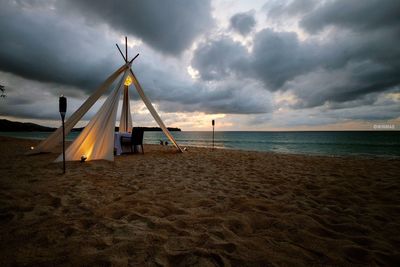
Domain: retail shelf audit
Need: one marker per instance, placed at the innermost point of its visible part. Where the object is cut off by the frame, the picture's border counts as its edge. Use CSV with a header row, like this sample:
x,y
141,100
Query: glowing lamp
x,y
32,148
128,80
83,158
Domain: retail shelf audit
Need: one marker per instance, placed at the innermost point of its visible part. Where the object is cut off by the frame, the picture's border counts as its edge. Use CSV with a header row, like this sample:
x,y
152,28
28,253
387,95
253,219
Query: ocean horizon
x,y
331,143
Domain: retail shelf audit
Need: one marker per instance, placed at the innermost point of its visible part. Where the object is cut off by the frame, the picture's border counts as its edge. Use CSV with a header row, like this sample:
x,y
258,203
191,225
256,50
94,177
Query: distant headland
x,y
15,126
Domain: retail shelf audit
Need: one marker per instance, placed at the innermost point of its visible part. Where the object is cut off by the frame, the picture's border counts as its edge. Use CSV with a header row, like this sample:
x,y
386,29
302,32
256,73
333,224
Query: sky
x,y
250,65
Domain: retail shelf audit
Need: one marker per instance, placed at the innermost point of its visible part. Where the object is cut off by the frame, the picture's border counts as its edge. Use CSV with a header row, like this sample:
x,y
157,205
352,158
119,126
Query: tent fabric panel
x,y
56,137
96,141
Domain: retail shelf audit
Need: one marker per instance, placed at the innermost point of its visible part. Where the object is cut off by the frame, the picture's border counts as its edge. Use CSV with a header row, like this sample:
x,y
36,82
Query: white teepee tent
x,y
96,141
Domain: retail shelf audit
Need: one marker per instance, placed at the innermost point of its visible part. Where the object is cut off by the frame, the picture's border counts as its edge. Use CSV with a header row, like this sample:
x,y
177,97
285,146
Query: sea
x,y
337,143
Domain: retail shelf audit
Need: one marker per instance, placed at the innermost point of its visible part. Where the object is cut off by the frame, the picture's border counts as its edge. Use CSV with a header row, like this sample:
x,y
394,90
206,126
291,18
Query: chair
x,y
135,140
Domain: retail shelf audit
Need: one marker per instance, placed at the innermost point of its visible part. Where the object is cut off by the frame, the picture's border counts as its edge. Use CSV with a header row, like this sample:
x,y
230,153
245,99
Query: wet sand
x,y
199,208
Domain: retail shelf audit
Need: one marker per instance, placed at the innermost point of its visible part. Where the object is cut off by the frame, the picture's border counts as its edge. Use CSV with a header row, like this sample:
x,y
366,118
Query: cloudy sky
x,y
251,65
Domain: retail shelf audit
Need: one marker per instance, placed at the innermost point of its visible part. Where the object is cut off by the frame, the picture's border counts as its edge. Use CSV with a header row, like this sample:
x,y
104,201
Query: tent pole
x,y
119,49
133,58
126,105
126,48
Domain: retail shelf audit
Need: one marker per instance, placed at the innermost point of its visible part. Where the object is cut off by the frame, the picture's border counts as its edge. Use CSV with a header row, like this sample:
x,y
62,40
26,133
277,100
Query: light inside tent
x,y
128,80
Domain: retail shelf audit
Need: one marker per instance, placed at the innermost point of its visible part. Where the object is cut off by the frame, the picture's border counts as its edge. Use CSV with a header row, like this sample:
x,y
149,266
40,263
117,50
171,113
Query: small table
x,y
117,143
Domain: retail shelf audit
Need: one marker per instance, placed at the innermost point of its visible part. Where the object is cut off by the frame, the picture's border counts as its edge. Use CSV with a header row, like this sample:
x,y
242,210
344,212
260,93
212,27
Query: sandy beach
x,y
198,208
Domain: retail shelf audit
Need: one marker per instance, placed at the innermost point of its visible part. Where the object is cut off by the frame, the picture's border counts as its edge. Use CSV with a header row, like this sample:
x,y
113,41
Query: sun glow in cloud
x,y
187,121
200,121
132,42
193,73
394,96
286,98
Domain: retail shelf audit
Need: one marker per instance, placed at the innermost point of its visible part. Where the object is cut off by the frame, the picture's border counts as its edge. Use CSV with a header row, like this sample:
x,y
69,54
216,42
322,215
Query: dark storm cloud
x,y
68,46
168,26
363,46
34,99
358,59
44,45
217,59
64,52
363,15
236,97
226,96
276,57
38,46
362,81
375,111
243,23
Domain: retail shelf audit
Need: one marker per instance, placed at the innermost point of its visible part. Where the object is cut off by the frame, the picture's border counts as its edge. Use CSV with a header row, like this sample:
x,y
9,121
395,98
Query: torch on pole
x,y
213,123
63,109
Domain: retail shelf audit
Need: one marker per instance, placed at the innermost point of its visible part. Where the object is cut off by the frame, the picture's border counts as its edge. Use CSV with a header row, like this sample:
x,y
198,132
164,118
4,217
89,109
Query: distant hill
x,y
15,126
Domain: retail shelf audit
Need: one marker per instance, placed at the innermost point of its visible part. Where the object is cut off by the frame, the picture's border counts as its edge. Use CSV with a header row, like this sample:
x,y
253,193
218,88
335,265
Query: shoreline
x,y
316,154
198,208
